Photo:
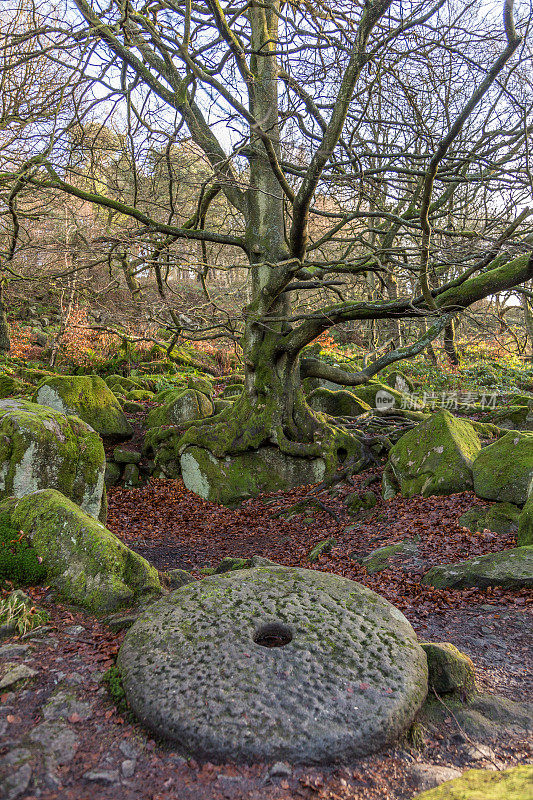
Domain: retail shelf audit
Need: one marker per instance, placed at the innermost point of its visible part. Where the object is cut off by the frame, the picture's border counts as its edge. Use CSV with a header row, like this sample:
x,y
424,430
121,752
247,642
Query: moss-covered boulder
x,y
435,457
84,562
180,406
525,524
485,784
11,385
504,470
380,559
200,383
449,670
232,479
510,569
512,418
138,395
43,449
500,518
337,404
89,398
379,395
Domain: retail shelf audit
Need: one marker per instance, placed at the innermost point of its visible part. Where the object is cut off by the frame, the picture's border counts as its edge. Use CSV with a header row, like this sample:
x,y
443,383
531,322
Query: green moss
x,y
449,670
325,546
337,404
435,457
19,561
112,680
525,525
179,406
503,471
89,398
510,569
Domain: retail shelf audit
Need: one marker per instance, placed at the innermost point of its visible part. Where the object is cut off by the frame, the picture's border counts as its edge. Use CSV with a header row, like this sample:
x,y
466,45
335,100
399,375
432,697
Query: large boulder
x,y
180,406
337,404
232,479
485,784
513,418
274,663
435,457
510,569
84,562
504,470
379,395
500,518
89,398
525,524
41,448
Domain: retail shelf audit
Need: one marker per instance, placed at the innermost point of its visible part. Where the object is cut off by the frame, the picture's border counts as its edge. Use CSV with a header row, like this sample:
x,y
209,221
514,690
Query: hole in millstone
x,y
273,635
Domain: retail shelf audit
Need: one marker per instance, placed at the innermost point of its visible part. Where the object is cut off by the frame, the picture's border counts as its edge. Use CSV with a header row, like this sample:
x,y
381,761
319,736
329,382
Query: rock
x,y
132,477
513,418
484,717
131,407
87,564
180,405
230,563
102,776
449,670
360,501
435,457
14,674
379,395
500,518
280,770
274,663
201,383
58,741
525,525
15,773
221,405
179,577
337,404
89,398
232,390
120,622
510,569
62,704
322,547
138,395
120,384
485,784
232,479
399,381
13,650
128,768
124,456
41,448
112,475
504,470
379,559
427,776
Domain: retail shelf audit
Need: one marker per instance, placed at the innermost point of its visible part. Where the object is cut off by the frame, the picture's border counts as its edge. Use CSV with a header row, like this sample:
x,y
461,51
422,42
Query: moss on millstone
x,y
84,562
337,404
89,398
435,457
510,569
449,670
504,470
180,406
41,448
485,784
525,525
500,518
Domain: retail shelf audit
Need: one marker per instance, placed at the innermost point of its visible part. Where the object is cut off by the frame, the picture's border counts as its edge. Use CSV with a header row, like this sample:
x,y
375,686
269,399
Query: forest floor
x,y
90,750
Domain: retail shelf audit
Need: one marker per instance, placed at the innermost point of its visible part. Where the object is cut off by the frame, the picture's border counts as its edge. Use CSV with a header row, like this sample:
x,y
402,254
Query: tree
x,y
342,136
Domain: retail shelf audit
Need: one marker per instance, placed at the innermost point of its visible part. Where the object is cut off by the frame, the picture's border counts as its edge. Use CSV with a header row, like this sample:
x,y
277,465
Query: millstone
x,y
274,663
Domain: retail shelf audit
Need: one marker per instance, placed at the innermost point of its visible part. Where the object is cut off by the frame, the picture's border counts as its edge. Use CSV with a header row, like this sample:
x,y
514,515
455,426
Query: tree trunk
x,y
449,343
5,340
